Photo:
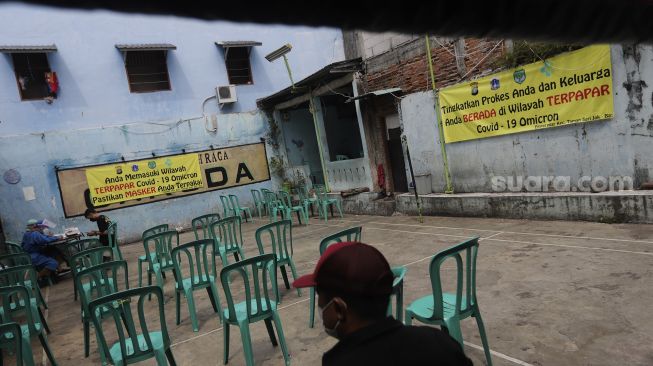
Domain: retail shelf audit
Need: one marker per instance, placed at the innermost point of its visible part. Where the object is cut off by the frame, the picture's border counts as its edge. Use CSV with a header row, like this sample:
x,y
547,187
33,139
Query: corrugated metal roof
x,y
227,44
324,75
146,47
27,49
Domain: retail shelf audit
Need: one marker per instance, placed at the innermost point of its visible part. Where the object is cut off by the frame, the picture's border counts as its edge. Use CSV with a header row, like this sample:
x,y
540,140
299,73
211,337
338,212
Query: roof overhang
x,y
226,45
375,93
146,47
327,74
27,49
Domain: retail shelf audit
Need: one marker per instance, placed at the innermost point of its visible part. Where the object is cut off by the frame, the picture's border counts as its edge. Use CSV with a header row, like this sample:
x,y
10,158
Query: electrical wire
x,y
171,126
335,92
480,62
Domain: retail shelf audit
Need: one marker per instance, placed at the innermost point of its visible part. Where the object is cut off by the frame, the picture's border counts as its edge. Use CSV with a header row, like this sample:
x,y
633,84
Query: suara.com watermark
x,y
550,183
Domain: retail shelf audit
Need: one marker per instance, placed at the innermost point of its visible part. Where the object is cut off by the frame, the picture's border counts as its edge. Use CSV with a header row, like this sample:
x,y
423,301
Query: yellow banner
x,y
143,178
569,88
220,168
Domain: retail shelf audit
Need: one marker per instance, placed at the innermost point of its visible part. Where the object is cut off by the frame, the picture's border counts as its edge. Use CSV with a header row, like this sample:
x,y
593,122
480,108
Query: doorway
x,y
396,152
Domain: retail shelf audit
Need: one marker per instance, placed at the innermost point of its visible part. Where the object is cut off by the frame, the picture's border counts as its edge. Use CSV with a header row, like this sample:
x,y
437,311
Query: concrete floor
x,y
551,293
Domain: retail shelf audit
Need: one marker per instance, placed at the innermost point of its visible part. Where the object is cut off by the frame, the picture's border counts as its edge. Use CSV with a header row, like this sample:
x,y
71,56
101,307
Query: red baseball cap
x,y
350,267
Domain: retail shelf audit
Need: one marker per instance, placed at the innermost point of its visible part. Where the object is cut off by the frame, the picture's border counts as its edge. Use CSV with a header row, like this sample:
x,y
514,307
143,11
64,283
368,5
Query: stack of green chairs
x,y
235,205
71,248
277,236
228,236
306,199
112,231
13,248
11,341
98,281
351,234
324,203
24,259
25,276
274,205
448,309
142,259
201,225
158,247
13,298
198,259
227,208
131,345
259,202
257,305
301,210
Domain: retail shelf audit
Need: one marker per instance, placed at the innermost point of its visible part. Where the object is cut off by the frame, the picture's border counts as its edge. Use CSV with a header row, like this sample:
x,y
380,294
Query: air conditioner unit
x,y
226,94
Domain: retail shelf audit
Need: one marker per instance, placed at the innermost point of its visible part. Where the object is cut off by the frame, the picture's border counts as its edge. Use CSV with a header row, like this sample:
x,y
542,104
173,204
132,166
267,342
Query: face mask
x,y
333,332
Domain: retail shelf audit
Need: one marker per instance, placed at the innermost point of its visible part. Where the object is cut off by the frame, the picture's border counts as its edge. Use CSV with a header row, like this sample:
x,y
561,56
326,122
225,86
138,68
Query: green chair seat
x,y
188,282
423,307
157,344
241,309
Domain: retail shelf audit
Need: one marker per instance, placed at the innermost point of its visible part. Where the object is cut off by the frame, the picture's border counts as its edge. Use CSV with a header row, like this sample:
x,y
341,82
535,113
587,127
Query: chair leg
x,y
140,273
191,309
40,295
74,290
46,348
268,326
225,353
408,317
339,207
481,330
453,328
247,343
282,339
178,306
87,337
293,270
285,277
45,324
215,301
400,305
160,358
28,354
311,313
170,357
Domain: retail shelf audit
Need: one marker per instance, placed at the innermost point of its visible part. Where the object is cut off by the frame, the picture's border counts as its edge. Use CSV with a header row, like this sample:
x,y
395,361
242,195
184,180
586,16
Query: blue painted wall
x,y
95,119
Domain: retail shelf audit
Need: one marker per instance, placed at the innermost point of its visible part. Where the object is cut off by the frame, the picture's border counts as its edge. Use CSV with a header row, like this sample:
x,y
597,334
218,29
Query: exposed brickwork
x,y
412,74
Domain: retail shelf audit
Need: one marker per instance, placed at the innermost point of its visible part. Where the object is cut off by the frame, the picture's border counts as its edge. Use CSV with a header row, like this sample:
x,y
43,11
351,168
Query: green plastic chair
x,y
201,225
98,281
259,202
143,258
324,203
11,341
227,209
301,210
306,199
112,232
448,309
278,237
198,259
398,292
13,248
255,273
24,259
158,247
351,234
131,344
274,205
24,276
71,248
228,236
30,320
235,205
86,259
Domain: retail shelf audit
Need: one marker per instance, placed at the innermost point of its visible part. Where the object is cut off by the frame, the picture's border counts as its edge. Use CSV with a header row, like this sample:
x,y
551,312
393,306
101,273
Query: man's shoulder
x,y
424,343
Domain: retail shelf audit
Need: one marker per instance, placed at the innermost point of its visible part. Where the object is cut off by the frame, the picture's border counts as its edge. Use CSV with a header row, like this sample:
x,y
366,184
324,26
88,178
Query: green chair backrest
x,y
256,273
277,236
351,234
112,232
234,201
198,257
159,246
11,340
270,198
71,248
155,230
256,195
321,192
17,259
121,310
228,232
89,258
398,274
12,248
302,191
103,279
15,297
468,248
226,205
201,225
284,198
19,276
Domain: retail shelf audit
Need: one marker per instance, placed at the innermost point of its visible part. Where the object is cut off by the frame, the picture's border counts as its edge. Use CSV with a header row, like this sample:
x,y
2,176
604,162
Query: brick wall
x,y
411,74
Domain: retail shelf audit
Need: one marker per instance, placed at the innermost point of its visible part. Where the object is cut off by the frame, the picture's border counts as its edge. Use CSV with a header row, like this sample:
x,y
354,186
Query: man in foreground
x,y
353,282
